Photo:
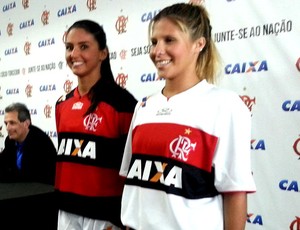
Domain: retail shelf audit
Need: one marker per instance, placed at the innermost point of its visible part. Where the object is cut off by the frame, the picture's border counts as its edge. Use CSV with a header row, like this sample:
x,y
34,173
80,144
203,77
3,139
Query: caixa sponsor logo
x,y
9,6
258,144
26,24
46,42
32,112
12,91
291,106
10,51
67,10
47,88
254,219
149,15
51,133
246,67
146,77
289,185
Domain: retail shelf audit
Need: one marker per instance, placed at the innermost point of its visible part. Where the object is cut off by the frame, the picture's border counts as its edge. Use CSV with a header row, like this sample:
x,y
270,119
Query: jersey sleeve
x,y
232,160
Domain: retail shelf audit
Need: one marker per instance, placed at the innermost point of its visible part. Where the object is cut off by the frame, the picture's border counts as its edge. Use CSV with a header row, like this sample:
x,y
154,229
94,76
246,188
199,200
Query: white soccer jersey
x,y
181,153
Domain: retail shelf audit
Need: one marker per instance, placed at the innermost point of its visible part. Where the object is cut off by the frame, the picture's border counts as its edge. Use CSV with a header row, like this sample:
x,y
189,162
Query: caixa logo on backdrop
x,y
150,77
47,88
291,105
258,144
246,67
11,51
12,91
9,6
289,185
32,112
67,10
26,24
51,133
149,15
254,219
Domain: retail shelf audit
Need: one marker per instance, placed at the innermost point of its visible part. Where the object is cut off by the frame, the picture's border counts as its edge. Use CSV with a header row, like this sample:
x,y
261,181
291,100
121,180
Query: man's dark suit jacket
x,y
38,161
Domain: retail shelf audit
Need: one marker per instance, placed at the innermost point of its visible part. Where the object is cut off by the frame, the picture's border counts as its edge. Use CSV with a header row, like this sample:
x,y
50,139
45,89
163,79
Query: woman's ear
x,y
103,54
200,44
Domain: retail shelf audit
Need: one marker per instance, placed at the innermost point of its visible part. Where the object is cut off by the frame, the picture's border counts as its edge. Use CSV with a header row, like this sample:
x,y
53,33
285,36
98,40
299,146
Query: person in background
x,y
187,157
92,124
29,154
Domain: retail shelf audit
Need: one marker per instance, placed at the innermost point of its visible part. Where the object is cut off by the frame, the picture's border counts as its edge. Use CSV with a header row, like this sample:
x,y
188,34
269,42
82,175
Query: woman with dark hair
x,y
92,124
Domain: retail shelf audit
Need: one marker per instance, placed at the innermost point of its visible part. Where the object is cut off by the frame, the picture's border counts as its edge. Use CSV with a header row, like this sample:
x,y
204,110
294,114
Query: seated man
x,y
29,154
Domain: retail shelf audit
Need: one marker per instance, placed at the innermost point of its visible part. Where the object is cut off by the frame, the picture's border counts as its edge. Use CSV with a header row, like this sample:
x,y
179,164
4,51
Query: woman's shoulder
x,y
65,96
120,98
223,93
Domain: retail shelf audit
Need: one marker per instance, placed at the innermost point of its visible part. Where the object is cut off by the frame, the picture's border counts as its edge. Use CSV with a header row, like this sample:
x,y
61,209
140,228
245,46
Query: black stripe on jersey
x,y
170,176
108,151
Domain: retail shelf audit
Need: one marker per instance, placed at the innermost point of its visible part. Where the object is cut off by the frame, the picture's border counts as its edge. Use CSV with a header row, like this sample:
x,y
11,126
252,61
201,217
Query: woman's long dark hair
x,y
107,78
